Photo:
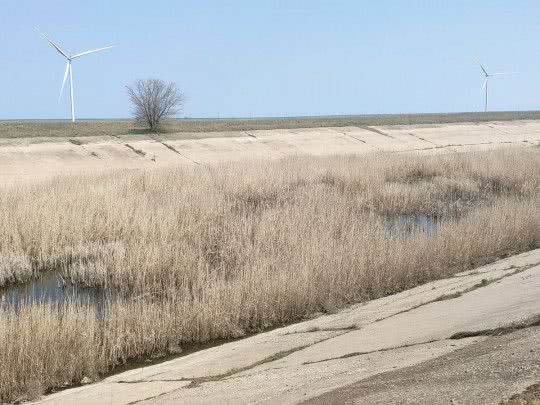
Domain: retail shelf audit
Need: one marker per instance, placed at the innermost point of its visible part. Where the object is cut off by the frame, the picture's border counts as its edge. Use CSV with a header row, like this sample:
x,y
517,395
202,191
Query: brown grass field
x,y
208,253
195,128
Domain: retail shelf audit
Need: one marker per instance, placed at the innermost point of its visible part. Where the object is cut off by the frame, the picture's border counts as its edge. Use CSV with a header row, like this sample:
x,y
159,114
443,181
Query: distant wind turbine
x,y
69,71
488,75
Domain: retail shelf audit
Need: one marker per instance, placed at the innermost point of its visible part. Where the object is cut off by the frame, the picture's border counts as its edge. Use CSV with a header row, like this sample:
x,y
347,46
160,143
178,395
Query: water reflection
x,y
406,225
50,287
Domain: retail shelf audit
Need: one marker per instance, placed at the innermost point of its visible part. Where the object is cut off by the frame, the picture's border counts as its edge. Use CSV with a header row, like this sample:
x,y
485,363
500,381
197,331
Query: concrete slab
x,y
471,376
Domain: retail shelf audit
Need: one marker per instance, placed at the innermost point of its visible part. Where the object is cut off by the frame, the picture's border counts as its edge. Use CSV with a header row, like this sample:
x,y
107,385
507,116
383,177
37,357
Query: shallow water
x,y
406,225
50,287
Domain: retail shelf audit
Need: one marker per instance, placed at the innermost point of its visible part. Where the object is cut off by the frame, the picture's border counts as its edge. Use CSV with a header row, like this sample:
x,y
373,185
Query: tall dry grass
x,y
215,253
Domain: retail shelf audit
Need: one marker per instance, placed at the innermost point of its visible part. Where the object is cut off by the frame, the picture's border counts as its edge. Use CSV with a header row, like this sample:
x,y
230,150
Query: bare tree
x,y
154,100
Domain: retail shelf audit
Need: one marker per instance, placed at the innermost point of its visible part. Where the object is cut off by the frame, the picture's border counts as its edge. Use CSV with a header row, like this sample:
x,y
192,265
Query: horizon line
x,y
285,117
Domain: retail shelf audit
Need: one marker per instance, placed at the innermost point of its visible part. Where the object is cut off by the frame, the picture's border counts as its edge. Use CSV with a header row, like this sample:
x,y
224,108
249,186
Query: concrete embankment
x,y
36,158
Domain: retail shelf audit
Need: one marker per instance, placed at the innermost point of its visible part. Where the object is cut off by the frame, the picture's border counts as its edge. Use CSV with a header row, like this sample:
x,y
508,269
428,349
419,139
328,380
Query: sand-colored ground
x,y
23,159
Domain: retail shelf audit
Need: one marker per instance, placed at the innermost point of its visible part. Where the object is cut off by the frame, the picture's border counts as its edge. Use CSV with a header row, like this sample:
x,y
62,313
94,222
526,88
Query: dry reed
x,y
216,253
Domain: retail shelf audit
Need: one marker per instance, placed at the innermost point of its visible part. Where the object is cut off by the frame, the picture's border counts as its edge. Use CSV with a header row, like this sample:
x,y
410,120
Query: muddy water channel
x,y
50,287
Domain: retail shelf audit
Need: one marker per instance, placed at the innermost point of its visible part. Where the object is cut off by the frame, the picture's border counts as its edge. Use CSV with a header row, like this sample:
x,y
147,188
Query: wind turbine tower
x,y
69,69
486,81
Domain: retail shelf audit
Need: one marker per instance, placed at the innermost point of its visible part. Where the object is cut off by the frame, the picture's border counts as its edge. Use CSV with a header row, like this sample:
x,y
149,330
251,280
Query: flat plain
x,y
61,128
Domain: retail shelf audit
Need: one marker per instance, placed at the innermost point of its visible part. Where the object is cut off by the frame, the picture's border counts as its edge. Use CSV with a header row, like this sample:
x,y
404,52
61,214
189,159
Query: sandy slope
x,y
30,158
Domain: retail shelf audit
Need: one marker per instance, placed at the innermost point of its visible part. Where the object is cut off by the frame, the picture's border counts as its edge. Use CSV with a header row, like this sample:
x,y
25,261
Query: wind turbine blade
x,y
503,73
64,81
485,83
483,70
53,44
88,52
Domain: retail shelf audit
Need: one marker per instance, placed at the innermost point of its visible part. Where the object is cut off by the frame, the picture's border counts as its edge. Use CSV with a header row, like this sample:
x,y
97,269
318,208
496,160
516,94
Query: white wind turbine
x,y
69,71
488,75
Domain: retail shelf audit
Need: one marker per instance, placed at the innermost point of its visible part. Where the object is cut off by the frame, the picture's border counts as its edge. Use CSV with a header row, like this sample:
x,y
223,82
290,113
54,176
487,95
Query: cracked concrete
x,y
502,330
333,355
459,293
485,372
378,131
196,381
173,149
26,159
384,349
315,329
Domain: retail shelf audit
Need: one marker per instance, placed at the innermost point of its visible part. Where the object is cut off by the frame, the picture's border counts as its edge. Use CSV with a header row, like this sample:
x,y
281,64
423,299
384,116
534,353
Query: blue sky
x,y
272,58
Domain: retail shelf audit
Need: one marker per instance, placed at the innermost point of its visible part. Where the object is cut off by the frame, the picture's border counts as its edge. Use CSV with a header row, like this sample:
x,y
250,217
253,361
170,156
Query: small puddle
x,y
402,226
50,287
